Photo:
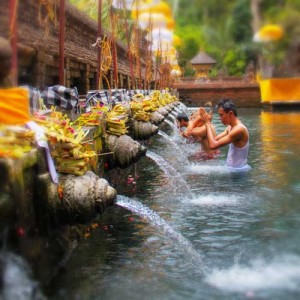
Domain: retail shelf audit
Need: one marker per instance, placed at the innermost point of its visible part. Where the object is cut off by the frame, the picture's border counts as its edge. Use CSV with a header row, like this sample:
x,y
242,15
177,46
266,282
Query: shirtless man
x,y
182,120
236,135
196,123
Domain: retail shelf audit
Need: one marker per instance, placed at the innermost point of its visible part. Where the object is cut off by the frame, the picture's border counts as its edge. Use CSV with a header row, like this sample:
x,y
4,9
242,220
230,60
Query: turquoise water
x,y
192,230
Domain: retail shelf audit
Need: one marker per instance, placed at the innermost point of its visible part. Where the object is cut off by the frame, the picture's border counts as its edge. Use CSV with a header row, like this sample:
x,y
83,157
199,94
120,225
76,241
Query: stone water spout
x,y
157,118
177,110
144,130
163,111
125,150
30,199
169,107
79,199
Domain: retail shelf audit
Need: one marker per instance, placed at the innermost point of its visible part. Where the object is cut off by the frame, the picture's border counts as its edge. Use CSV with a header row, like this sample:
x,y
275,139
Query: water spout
x,y
172,125
166,137
180,154
169,170
171,117
155,220
182,107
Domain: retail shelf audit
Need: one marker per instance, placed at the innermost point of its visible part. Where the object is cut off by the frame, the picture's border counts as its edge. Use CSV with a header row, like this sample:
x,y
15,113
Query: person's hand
x,y
194,115
205,117
184,134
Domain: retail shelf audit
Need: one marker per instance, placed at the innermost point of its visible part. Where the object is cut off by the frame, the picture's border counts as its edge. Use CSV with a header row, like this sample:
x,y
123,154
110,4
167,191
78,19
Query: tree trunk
x,y
256,15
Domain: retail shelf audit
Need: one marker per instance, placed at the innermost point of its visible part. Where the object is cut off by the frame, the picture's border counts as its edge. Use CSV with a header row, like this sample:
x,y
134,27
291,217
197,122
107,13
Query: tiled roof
x,y
202,58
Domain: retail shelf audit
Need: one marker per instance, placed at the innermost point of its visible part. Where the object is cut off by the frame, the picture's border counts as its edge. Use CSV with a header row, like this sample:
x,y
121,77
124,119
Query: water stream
x,y
173,143
172,125
169,170
169,233
17,282
195,231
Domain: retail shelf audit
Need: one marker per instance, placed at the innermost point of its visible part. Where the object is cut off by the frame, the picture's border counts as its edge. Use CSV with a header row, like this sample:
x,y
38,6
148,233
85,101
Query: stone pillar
x,y
87,77
41,70
111,79
128,83
121,81
67,72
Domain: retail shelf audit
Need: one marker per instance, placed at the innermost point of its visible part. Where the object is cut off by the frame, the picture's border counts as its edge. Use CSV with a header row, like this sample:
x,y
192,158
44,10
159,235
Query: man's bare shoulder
x,y
239,135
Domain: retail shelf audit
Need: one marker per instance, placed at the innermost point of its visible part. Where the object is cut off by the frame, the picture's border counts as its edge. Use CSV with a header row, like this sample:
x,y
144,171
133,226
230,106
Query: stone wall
x,y
38,48
244,95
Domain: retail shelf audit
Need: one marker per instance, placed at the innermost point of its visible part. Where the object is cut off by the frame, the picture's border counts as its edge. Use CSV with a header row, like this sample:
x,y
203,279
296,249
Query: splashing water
x,y
182,107
282,272
181,243
172,125
207,169
17,283
167,137
216,199
172,115
168,169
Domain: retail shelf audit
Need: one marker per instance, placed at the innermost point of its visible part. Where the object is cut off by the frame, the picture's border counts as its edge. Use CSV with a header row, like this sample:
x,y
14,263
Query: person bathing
x,y
236,135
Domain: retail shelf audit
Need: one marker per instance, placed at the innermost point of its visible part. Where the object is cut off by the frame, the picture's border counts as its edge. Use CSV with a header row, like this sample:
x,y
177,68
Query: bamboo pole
x,y
129,54
148,54
115,63
99,50
114,48
13,11
137,45
139,53
62,42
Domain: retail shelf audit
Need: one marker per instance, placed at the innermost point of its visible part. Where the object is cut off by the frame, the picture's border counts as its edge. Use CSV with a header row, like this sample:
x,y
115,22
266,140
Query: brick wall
x,y
244,95
41,69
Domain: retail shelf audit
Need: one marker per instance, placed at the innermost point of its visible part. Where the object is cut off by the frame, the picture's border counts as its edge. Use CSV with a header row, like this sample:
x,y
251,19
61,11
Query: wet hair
x,y
182,117
228,105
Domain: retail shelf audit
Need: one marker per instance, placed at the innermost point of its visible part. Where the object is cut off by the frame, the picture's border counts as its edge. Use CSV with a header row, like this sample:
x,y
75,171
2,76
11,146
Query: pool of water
x,y
185,228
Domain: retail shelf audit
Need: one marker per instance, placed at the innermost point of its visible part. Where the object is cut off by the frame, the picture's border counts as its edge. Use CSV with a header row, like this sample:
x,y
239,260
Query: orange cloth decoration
x,y
280,89
14,106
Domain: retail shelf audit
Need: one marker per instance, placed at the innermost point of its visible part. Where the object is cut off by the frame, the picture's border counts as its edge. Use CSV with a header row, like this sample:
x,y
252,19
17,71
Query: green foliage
x,y
90,7
189,72
234,61
189,48
218,28
221,28
186,16
213,73
241,22
190,45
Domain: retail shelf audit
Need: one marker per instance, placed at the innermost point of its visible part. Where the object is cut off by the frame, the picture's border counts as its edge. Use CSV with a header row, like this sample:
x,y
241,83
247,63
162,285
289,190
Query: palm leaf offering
x,y
116,120
15,141
68,148
138,112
